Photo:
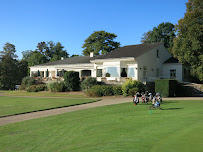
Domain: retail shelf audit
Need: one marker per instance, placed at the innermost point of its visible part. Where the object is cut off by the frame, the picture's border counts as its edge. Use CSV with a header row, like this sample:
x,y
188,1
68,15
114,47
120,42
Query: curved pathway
x,y
105,101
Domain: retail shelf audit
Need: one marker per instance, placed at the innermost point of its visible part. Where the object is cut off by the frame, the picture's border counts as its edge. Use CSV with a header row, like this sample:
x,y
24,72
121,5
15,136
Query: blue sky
x,y
25,23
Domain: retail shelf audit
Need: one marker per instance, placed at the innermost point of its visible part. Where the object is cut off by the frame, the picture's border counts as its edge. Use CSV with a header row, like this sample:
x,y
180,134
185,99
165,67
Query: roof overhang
x,y
113,60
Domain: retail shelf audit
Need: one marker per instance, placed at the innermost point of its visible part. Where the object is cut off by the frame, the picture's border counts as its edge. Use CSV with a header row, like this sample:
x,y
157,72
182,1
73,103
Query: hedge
x,y
104,90
167,87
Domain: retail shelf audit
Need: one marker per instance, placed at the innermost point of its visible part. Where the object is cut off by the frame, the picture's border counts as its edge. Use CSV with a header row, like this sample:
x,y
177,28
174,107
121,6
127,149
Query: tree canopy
x,y
8,67
100,42
51,50
188,45
164,32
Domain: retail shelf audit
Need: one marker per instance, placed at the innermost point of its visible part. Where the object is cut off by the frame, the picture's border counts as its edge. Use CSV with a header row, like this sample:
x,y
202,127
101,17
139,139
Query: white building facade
x,y
144,62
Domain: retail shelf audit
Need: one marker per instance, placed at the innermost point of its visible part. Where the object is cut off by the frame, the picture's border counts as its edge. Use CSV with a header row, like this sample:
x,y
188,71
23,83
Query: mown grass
x,y
17,105
123,127
40,94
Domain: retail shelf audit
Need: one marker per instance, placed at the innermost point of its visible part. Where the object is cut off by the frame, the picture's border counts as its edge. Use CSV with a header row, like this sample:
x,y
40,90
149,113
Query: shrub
x,y
117,90
88,83
168,88
130,84
36,88
56,87
72,81
100,90
132,91
26,82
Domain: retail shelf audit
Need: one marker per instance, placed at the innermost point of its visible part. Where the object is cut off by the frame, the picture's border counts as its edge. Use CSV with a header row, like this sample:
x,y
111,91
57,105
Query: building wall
x,y
173,66
152,63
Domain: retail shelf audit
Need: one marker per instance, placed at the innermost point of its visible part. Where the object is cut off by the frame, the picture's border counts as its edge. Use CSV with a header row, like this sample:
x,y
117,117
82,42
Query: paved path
x,y
103,102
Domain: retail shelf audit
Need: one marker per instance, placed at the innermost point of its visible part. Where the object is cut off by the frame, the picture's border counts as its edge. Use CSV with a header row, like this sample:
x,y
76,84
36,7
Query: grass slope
x,y
16,105
122,127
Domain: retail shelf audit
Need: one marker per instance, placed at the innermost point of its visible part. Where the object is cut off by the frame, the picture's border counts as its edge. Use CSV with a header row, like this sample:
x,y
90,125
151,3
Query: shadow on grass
x,y
173,109
49,108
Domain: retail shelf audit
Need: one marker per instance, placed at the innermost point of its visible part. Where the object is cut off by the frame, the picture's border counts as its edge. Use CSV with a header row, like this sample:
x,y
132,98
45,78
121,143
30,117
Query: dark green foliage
x,y
188,45
36,58
8,67
88,83
132,91
36,88
22,70
26,82
51,50
72,81
56,86
164,32
104,90
100,90
168,88
100,42
117,90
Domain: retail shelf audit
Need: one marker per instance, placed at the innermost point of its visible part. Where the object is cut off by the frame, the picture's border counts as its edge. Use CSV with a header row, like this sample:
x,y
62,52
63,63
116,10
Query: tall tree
x,y
36,58
100,42
8,67
58,52
164,32
51,50
188,45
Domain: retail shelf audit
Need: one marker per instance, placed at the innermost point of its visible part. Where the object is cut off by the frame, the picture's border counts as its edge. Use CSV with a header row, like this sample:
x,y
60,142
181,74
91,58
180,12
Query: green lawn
x,y
16,105
40,94
123,127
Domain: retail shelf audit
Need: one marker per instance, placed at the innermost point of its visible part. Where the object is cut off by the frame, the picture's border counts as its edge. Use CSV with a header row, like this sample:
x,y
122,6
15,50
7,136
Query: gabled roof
x,y
172,60
130,51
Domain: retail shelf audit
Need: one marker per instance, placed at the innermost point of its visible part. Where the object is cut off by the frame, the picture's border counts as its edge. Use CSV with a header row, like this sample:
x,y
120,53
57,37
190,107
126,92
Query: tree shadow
x,y
173,109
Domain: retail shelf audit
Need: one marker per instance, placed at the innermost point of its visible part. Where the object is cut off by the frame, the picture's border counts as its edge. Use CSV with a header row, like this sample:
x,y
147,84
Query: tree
x,y
100,42
36,58
51,50
74,55
8,67
58,52
164,32
188,45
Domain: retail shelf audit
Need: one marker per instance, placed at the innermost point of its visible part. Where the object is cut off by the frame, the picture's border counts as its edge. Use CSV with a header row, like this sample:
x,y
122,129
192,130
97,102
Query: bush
x,y
56,87
117,90
100,90
168,88
130,84
72,81
88,83
103,90
26,82
36,88
132,91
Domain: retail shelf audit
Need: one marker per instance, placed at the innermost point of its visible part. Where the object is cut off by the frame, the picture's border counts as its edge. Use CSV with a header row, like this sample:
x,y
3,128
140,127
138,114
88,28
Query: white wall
x,y
176,66
152,62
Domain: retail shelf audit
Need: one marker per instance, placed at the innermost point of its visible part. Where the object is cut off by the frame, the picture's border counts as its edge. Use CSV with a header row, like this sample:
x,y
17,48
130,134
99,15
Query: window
x,y
144,72
173,74
123,72
157,72
131,72
157,53
99,72
112,72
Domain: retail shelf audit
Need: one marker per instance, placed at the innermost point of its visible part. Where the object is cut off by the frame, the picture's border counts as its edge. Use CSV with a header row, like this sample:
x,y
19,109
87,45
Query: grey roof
x,y
172,60
72,60
130,51
126,51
